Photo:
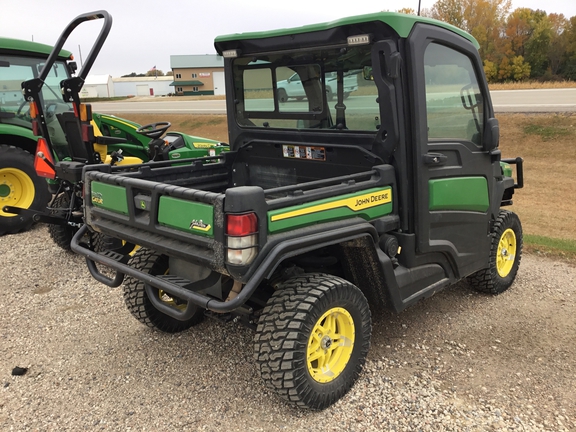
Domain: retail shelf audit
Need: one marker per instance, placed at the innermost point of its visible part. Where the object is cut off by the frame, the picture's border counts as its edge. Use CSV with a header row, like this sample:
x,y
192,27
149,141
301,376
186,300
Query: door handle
x,y
435,159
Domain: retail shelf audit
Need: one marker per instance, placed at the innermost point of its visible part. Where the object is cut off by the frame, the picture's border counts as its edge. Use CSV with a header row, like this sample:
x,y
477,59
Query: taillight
x,y
242,238
44,162
33,110
87,133
36,128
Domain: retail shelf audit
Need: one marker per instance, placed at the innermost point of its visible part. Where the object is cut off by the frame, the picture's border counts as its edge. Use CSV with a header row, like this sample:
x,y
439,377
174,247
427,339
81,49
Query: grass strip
x,y
552,247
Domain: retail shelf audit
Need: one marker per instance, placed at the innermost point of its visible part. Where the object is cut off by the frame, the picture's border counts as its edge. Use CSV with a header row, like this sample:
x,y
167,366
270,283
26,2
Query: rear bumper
x,y
186,290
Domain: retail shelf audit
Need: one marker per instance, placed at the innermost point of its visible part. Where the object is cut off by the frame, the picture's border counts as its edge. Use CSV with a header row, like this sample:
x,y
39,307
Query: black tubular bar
x,y
264,270
89,16
73,85
519,162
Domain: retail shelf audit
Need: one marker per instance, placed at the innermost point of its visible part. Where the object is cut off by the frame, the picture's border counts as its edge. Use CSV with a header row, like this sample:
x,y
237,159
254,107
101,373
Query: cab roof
x,y
402,24
18,46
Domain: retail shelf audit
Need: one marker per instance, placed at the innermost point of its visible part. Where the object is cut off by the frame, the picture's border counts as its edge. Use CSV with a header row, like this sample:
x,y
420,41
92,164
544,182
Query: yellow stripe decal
x,y
355,203
205,229
120,121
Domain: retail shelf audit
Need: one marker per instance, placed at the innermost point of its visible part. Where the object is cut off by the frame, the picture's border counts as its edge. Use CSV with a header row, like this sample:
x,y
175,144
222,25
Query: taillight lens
x,y
33,110
241,225
36,128
242,238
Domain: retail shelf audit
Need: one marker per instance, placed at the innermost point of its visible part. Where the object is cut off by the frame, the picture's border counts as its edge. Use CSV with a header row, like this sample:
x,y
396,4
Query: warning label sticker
x,y
304,152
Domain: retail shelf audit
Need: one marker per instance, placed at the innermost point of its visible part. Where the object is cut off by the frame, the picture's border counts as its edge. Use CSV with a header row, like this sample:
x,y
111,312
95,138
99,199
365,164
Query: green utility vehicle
x,y
323,213
24,194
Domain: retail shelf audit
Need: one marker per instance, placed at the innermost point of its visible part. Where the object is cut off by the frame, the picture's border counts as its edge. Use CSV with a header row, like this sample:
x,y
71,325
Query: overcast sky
x,y
145,33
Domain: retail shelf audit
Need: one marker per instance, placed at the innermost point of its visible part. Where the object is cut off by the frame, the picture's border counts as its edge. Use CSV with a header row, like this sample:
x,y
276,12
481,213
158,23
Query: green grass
x,y
550,131
550,246
211,121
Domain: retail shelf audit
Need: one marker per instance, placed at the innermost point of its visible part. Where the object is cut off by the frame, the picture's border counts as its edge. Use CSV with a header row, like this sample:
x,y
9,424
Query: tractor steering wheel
x,y
19,112
154,130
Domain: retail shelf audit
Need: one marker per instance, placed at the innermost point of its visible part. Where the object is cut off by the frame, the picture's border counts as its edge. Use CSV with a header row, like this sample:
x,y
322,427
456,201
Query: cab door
x,y
452,171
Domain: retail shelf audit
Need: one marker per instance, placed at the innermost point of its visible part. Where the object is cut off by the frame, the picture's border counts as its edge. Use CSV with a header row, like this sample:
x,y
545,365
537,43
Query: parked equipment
x,y
41,108
322,213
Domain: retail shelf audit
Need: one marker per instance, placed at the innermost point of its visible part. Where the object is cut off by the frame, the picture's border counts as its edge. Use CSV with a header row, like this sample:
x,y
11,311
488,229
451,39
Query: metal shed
x,y
98,86
143,86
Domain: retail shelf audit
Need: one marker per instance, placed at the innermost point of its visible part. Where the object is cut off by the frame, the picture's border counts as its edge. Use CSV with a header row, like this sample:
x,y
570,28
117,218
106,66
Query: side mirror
x,y
492,135
4,63
72,67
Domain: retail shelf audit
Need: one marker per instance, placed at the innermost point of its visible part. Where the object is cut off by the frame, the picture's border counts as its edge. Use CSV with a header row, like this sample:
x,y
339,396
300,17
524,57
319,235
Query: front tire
x,y
20,186
505,254
282,95
139,304
312,339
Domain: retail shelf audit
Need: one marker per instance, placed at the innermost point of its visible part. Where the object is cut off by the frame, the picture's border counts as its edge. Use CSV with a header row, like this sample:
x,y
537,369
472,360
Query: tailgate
x,y
176,210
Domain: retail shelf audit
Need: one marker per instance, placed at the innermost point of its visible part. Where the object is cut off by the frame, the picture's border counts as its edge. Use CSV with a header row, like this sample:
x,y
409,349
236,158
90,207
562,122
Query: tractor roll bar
x,y
89,16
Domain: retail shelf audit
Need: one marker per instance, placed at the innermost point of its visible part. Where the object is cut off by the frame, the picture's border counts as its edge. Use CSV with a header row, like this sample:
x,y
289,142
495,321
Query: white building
x,y
143,86
100,86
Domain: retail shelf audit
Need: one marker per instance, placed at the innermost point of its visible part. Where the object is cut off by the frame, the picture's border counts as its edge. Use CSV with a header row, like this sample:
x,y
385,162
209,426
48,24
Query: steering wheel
x,y
19,113
154,130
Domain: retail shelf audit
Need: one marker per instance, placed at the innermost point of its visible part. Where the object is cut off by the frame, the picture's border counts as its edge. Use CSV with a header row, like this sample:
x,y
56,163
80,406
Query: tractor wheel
x,y
61,234
21,187
505,255
312,339
139,304
282,95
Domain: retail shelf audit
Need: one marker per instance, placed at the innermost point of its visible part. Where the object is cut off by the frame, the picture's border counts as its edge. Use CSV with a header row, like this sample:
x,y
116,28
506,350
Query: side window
x,y
51,90
258,91
11,76
454,104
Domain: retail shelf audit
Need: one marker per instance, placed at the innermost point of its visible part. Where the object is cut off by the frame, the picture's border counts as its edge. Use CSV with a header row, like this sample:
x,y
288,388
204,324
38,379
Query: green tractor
x,y
22,189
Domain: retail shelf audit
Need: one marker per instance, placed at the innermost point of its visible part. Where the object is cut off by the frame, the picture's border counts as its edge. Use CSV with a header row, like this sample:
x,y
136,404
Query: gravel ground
x,y
459,361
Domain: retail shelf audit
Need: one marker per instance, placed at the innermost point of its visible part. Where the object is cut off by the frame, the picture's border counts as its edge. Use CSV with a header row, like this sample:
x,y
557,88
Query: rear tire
x,y
505,254
138,302
61,234
102,242
312,339
20,186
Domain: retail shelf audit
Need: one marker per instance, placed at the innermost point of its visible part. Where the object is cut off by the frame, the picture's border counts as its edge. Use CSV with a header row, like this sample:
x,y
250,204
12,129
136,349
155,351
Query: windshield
x,y
14,109
324,89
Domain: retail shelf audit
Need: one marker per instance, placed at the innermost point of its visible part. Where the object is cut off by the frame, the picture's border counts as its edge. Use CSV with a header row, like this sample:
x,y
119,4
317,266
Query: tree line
x,y
515,45
151,72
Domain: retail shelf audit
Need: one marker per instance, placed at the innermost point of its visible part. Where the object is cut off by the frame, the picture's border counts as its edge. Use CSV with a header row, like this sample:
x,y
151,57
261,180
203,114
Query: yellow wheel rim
x,y
330,345
16,189
166,298
506,253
